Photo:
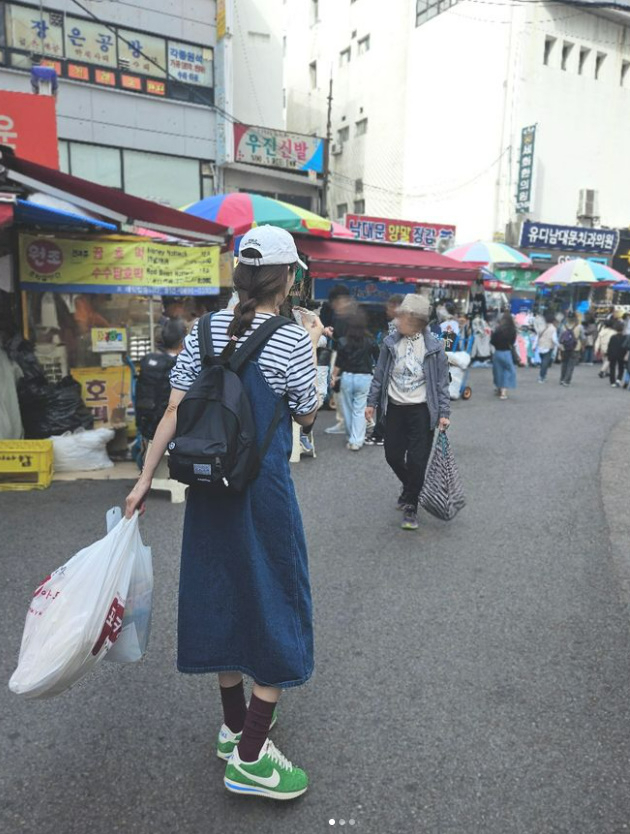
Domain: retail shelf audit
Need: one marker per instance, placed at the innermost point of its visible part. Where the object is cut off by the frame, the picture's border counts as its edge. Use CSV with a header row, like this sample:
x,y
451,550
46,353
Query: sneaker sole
x,y
408,529
251,790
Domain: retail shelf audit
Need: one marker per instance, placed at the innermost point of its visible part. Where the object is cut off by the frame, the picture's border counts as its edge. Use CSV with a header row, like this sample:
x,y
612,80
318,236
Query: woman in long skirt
x,y
244,597
503,369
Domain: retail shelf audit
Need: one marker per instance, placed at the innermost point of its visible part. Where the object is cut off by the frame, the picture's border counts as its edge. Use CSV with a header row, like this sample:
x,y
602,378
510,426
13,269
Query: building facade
x,y
431,99
149,92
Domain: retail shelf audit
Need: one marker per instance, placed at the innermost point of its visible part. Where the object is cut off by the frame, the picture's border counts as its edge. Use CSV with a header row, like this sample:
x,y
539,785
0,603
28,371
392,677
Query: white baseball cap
x,y
276,246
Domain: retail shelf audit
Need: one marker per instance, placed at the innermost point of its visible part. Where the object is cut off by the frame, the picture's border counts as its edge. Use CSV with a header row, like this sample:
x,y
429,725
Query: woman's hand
x,y
369,413
137,497
444,423
315,329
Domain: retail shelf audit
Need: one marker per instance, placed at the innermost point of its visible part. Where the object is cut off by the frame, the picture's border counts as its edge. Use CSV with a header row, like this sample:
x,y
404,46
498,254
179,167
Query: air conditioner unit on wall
x,y
336,148
589,203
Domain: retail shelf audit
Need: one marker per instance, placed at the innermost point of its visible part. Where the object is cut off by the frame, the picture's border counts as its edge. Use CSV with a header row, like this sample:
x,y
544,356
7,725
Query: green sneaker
x,y
410,518
272,776
228,740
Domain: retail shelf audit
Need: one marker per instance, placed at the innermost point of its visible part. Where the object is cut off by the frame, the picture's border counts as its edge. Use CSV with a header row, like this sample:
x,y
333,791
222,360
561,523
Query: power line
x,y
247,64
134,47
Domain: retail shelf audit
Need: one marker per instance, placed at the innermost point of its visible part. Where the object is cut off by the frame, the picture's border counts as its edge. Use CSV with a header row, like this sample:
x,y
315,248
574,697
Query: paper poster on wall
x,y
192,64
141,53
34,30
90,42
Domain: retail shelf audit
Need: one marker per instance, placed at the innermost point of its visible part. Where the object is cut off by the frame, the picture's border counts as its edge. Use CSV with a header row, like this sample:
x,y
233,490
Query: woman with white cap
x,y
410,386
244,597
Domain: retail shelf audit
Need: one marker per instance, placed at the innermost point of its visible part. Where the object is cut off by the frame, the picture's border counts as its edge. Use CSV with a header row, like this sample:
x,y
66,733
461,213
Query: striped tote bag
x,y
442,494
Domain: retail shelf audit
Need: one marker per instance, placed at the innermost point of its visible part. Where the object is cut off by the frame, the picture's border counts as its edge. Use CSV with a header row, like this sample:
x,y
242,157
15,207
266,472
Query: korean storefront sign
x,y
192,64
545,236
429,235
519,279
526,170
104,390
118,266
28,125
109,339
33,30
90,42
276,149
366,292
136,49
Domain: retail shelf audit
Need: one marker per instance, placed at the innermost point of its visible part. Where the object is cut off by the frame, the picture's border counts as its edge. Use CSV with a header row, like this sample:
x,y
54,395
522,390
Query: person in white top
x,y
547,345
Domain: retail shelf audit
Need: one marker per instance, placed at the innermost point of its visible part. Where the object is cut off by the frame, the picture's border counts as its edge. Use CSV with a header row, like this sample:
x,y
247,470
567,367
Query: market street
x,y
470,679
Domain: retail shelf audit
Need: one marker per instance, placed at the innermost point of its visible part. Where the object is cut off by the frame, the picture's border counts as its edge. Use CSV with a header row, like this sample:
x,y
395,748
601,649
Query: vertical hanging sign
x,y
525,170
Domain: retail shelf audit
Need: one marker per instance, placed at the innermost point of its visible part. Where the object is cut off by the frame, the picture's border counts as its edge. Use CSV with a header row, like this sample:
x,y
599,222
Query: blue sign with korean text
x,y
365,291
569,238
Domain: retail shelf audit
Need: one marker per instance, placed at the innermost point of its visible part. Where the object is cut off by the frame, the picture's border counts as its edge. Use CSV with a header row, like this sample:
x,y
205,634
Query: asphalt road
x,y
470,679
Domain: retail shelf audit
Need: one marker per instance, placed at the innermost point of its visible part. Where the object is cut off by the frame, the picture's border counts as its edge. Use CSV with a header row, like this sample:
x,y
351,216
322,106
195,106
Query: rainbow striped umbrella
x,y
243,212
579,271
484,253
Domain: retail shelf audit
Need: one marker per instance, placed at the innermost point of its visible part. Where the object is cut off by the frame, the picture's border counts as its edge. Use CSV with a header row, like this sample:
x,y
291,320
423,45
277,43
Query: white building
x,y
143,86
430,98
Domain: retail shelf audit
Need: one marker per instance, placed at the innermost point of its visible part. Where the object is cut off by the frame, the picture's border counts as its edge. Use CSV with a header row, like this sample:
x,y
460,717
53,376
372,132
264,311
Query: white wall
x,y
258,62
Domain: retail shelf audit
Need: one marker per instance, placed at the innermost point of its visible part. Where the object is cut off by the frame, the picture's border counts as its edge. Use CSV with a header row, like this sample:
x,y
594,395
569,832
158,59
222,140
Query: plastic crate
x,y
25,464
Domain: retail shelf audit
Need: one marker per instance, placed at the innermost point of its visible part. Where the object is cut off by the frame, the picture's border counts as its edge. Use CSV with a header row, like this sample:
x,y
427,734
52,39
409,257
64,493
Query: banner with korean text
x,y
526,170
434,236
118,265
544,236
276,149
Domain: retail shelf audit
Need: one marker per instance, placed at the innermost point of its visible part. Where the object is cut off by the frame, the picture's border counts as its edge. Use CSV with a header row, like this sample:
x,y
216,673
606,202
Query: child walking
x,y
410,386
244,596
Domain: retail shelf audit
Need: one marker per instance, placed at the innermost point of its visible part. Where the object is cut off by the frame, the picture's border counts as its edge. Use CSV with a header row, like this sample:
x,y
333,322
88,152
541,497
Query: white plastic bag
x,y
82,450
76,614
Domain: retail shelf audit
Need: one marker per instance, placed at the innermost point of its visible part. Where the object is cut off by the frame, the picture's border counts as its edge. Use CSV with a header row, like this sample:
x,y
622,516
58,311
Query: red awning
x,y
112,204
361,259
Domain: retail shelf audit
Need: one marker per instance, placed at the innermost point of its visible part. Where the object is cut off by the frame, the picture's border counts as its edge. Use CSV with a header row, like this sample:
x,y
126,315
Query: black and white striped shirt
x,y
286,361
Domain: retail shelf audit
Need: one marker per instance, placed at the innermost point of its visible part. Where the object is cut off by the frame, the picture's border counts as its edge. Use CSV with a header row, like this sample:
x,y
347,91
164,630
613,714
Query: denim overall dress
x,y
244,595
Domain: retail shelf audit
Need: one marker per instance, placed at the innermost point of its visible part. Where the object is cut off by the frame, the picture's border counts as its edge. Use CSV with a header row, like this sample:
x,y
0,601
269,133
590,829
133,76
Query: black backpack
x,y
215,439
153,390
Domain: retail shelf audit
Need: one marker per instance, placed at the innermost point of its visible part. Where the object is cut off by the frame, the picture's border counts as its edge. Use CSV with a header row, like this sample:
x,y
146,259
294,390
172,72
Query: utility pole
x,y
326,177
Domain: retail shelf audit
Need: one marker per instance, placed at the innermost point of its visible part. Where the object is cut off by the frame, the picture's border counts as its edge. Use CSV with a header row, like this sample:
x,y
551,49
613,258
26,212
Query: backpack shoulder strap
x,y
204,334
253,343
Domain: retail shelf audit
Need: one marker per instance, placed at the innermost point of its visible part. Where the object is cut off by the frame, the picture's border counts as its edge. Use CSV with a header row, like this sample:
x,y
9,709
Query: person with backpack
x,y
153,388
244,596
547,344
571,341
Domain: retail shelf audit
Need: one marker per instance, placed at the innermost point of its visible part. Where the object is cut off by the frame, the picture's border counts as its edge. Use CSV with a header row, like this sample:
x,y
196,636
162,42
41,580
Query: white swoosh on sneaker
x,y
267,781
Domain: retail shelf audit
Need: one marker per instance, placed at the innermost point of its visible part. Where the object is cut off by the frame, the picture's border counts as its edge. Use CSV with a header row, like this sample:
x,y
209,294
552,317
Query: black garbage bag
x,y
48,409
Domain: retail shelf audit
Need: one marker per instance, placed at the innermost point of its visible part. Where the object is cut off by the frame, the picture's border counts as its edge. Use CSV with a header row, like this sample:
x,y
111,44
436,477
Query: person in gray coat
x,y
410,386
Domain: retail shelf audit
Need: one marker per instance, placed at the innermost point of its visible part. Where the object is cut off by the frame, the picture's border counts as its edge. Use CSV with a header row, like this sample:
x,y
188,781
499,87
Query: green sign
x,y
518,279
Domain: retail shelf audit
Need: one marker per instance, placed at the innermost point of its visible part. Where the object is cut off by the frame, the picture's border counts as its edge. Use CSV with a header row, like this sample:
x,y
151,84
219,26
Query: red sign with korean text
x,y
435,236
28,124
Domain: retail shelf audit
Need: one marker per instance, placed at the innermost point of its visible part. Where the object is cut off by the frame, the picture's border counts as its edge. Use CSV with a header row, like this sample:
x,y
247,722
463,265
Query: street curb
x,y
613,484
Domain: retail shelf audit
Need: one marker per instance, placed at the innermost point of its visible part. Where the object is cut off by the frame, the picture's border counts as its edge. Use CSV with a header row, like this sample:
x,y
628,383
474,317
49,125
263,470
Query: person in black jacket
x,y
356,357
153,388
616,354
503,340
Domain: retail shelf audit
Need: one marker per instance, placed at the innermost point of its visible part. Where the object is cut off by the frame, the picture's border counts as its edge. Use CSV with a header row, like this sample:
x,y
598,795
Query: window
x,y
358,186
64,156
259,37
549,45
284,45
584,53
599,63
625,77
312,74
426,9
364,45
314,12
171,180
567,48
99,164
342,210
343,134
344,56
359,206
361,127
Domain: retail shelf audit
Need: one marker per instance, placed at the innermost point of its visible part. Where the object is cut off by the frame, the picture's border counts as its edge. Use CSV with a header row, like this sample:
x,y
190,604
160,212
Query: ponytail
x,y
255,285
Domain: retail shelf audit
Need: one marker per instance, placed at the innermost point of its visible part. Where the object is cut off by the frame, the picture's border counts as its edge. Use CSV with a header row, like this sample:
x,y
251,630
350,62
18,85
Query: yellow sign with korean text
x,y
105,389
221,20
118,265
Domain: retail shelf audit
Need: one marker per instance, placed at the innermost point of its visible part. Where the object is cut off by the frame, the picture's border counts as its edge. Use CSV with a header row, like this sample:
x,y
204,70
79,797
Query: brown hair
x,y
255,285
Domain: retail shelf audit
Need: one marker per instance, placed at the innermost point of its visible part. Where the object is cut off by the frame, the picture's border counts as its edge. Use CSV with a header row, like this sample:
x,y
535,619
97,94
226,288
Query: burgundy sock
x,y
256,729
234,706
